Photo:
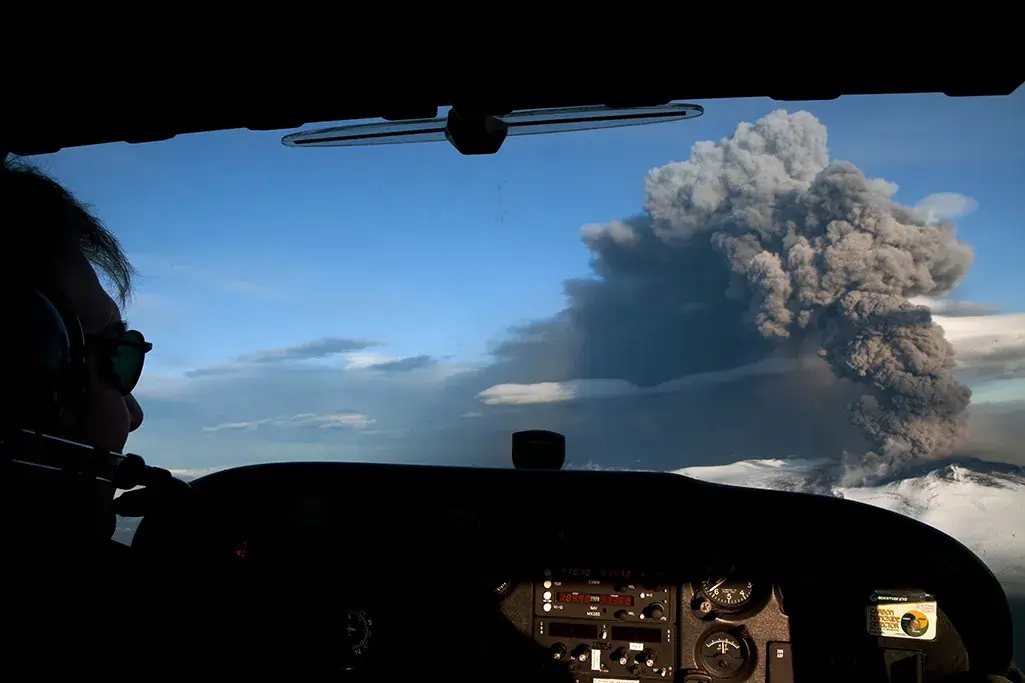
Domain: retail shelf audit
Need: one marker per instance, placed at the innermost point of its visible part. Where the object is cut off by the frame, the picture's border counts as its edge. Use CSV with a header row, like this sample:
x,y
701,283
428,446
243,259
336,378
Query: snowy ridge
x,y
980,504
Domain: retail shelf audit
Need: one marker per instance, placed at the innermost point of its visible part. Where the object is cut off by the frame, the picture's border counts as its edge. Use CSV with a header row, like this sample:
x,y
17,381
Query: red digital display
x,y
596,599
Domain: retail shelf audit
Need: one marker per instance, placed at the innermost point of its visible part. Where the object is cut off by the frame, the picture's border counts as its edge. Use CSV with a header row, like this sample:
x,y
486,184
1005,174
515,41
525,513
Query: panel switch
x,y
780,667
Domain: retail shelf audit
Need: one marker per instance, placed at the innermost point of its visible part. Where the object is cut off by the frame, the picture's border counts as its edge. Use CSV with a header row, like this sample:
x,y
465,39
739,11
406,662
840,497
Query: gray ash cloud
x,y
759,246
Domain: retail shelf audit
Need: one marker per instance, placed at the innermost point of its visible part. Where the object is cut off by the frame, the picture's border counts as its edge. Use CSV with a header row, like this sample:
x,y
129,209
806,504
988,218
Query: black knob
x,y
634,670
558,652
620,614
581,653
654,611
620,589
622,655
648,658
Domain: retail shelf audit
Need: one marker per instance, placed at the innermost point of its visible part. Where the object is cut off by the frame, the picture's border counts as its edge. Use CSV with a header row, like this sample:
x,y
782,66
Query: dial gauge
x,y
502,588
723,654
355,637
731,594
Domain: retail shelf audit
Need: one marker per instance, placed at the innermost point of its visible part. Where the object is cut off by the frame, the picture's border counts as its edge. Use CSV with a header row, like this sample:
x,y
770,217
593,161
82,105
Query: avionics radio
x,y
612,650
605,600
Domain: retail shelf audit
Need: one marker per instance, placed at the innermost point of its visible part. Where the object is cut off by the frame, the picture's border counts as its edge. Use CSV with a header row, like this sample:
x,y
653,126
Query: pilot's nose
x,y
134,412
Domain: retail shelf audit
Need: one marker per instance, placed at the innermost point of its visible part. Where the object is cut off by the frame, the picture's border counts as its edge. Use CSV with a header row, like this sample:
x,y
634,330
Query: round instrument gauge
x,y
728,594
723,655
355,638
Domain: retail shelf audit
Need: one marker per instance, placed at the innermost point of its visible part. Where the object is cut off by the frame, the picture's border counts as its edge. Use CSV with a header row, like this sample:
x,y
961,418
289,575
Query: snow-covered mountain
x,y
981,504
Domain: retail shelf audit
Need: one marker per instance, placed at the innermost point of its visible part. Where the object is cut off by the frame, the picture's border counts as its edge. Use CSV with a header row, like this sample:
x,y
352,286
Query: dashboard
x,y
359,572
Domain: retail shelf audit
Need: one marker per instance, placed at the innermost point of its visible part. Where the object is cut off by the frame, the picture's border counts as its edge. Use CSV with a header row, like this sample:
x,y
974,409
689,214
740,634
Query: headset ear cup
x,y
40,353
74,380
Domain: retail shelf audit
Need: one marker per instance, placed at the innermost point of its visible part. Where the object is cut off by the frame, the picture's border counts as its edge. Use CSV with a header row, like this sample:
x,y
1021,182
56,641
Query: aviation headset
x,y
46,385
47,480
51,378
47,377
48,380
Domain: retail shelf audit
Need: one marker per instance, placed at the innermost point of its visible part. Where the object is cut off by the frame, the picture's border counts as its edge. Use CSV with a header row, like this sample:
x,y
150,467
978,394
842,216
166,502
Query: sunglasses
x,y
122,357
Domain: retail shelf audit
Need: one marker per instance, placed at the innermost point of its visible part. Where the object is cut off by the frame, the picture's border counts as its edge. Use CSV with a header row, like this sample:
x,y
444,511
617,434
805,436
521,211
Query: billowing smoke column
x,y
758,308
821,254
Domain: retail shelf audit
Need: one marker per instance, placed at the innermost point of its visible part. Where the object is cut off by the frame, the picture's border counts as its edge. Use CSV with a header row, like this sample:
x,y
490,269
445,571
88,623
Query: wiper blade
x,y
484,134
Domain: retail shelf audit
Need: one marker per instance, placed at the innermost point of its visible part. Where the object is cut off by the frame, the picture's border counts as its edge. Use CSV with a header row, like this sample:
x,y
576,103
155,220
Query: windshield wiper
x,y
473,133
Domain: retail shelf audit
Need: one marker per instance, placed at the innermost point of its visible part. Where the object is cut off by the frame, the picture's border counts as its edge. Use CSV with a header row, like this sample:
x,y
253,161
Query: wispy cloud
x,y
407,364
334,420
317,349
954,308
946,206
251,425
341,420
557,392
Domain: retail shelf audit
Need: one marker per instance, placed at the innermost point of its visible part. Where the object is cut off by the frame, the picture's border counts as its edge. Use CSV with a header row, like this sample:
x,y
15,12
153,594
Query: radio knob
x,y
634,670
648,658
622,655
620,614
654,611
619,589
581,652
558,652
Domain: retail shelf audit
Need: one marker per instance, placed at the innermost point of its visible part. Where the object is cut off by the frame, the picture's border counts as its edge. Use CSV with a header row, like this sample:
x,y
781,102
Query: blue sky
x,y
245,246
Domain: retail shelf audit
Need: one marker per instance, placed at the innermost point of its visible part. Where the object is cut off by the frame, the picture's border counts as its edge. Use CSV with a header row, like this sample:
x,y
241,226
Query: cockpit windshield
x,y
822,296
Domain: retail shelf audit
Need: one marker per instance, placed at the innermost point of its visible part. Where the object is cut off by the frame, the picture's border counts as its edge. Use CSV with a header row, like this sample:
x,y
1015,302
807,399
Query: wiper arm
x,y
473,133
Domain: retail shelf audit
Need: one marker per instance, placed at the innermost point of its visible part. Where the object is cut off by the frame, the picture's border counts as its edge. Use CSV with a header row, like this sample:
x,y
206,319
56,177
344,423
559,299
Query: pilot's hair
x,y
42,224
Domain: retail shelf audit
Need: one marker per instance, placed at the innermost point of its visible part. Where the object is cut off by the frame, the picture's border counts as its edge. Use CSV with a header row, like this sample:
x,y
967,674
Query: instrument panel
x,y
611,625
591,624
524,591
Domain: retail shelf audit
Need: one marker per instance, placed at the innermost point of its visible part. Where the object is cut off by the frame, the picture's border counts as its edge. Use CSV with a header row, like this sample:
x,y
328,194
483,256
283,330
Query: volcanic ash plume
x,y
820,252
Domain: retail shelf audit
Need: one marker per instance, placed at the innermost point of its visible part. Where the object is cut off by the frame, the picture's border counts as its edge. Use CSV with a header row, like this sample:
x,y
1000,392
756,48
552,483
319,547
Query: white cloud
x,y
953,307
554,392
251,425
946,206
357,361
541,392
334,420
988,346
328,421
